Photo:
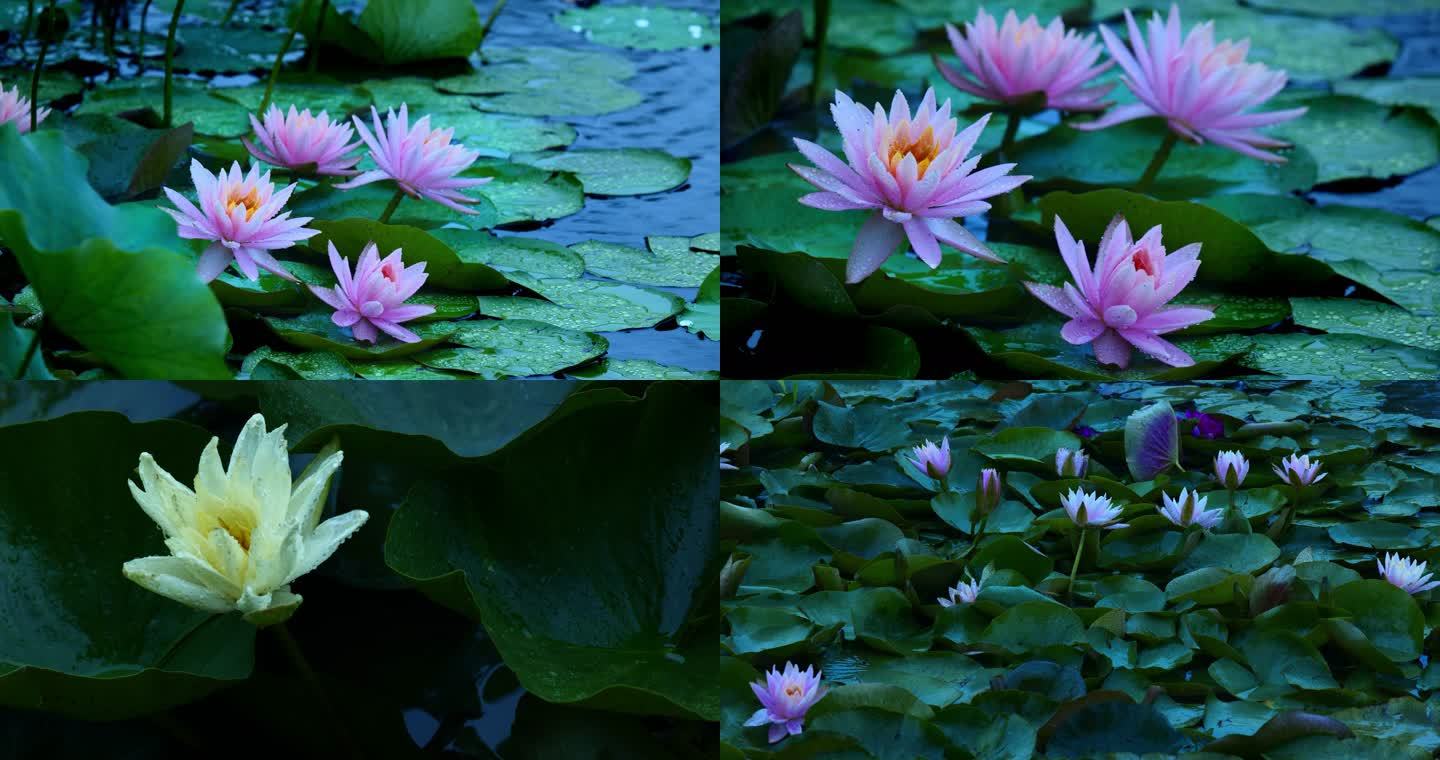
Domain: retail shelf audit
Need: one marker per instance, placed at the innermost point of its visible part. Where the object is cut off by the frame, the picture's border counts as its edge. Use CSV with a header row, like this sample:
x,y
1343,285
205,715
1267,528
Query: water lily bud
x,y
1271,589
987,494
933,460
1231,467
1299,471
1071,464
731,574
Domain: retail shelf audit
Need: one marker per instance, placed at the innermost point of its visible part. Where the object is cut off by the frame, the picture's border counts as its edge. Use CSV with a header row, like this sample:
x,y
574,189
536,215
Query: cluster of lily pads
x,y
955,569
460,153
393,600
1212,128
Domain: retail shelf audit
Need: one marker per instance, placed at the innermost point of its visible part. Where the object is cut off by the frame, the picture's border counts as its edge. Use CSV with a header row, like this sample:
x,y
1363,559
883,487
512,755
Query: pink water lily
x,y
1013,60
1298,471
1086,509
15,109
965,592
1189,509
785,698
912,172
1231,467
1121,301
300,139
1406,574
931,459
374,296
241,214
1202,89
421,160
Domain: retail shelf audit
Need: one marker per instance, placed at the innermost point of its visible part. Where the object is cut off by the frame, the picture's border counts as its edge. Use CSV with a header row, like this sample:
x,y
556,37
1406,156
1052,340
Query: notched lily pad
x,y
315,331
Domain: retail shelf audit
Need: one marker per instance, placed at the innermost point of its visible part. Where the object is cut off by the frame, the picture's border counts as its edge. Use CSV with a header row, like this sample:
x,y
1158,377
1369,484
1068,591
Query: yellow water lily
x,y
242,536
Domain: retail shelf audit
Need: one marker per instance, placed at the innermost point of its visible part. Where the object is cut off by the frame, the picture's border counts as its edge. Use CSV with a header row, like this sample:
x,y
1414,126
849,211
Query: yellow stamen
x,y
923,148
251,202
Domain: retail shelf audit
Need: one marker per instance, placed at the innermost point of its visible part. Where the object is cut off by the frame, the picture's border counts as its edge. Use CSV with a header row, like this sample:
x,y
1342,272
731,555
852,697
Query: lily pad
x,y
547,81
539,258
404,32
585,305
207,109
638,369
262,364
368,202
615,171
702,316
1369,318
1351,137
314,331
670,262
641,27
496,348
615,634
442,265
88,642
526,194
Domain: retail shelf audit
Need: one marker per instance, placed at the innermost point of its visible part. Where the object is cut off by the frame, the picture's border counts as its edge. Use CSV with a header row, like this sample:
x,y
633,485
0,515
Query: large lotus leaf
x,y
79,638
1069,158
586,305
615,171
312,410
496,348
641,27
443,266
1395,256
1230,253
577,621
1368,318
1350,137
79,252
670,262
405,32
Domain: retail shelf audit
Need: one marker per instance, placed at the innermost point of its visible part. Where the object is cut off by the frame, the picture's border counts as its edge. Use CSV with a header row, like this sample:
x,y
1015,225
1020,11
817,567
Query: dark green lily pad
x,y
615,171
638,369
1350,137
641,27
1369,318
442,265
546,81
368,202
400,369
314,331
206,108
539,258
496,348
262,364
702,316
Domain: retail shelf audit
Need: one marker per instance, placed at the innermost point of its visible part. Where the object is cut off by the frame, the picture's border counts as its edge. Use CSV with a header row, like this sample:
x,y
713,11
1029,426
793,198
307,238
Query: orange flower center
x,y
390,273
239,531
251,202
923,148
1143,261
793,690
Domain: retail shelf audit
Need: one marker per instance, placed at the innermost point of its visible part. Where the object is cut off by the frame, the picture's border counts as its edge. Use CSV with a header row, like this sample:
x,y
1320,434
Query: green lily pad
x,y
654,477
209,48
1388,616
539,258
547,81
336,99
641,27
1314,356
265,363
77,252
1307,49
496,348
1423,92
702,316
498,134
668,263
526,194
206,108
314,331
400,369
1351,137
324,202
586,305
1037,350
1369,318
404,32
615,171
442,265
87,642
638,369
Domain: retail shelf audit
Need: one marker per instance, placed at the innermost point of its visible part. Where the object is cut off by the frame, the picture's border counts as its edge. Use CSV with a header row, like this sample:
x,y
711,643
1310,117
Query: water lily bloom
x,y
1206,427
1014,59
1299,471
1202,89
15,109
1121,302
299,139
786,697
988,491
963,593
725,463
421,160
912,172
1406,574
373,298
244,534
1189,509
240,214
933,460
1231,467
1086,509
1071,464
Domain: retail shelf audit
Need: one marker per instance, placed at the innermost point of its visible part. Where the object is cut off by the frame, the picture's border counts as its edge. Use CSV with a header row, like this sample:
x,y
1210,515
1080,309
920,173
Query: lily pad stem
x,y
230,12
1161,155
1075,567
29,353
490,21
302,665
170,61
140,43
392,205
275,69
822,30
35,83
29,22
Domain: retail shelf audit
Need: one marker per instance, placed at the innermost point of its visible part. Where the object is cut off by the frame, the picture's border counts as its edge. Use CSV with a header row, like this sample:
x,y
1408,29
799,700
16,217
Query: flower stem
x,y
392,205
1075,567
140,43
822,30
312,46
230,12
490,21
302,665
1012,128
170,61
29,353
35,83
275,68
29,23
1158,161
